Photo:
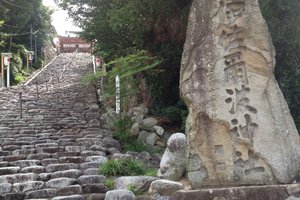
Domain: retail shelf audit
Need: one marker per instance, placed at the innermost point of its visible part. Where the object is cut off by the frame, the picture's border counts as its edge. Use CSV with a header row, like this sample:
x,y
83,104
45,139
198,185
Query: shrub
x,y
173,113
109,183
122,126
126,167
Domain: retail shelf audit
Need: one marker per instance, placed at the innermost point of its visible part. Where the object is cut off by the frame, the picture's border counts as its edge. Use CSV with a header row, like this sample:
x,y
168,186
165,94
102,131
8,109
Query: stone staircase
x,y
54,147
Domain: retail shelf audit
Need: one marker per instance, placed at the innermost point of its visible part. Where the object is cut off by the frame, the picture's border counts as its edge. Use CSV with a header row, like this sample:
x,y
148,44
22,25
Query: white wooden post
x,y
6,62
7,75
118,100
94,65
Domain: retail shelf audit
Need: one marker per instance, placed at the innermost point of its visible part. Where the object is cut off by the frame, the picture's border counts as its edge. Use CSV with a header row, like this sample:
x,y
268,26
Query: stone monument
x,y
239,128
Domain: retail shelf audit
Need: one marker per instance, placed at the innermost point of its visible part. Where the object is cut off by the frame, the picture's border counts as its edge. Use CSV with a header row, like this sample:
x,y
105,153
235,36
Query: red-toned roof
x,y
69,40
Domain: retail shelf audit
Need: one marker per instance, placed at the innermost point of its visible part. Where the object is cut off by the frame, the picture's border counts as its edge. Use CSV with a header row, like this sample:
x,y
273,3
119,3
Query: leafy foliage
x,y
122,126
120,28
126,167
109,183
17,18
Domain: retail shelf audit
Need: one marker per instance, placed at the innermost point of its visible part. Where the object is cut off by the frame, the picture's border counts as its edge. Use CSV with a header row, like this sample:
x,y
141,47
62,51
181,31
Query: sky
x,y
60,19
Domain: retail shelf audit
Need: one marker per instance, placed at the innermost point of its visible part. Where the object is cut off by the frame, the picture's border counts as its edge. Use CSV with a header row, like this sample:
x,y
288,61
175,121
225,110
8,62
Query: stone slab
x,y
270,192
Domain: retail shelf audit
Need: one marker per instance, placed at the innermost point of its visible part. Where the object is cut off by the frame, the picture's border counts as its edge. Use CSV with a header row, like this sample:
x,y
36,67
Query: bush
x,y
173,113
109,183
127,167
137,146
122,127
176,114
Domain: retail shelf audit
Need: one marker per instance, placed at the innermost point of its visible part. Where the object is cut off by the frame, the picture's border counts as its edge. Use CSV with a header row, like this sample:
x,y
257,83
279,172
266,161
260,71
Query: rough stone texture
x,y
60,182
149,122
71,197
159,130
96,197
69,190
5,188
139,183
135,129
164,187
173,162
56,148
239,127
272,192
119,194
28,186
45,193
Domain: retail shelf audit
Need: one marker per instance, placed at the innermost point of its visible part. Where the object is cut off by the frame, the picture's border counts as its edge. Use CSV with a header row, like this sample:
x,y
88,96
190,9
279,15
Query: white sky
x,y
60,19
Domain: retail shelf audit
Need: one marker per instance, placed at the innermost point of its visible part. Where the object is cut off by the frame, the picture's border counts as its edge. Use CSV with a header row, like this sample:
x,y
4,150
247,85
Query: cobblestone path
x,y
54,149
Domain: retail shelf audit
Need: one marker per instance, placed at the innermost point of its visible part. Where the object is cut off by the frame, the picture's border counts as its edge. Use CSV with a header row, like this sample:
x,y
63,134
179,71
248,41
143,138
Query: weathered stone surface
x,y
292,198
5,188
164,187
26,163
91,171
9,170
96,197
239,127
94,188
159,130
139,183
71,173
151,139
88,165
173,162
18,178
109,142
71,197
119,194
250,192
14,196
45,193
33,169
99,159
60,182
86,179
60,167
149,122
28,186
69,190
135,129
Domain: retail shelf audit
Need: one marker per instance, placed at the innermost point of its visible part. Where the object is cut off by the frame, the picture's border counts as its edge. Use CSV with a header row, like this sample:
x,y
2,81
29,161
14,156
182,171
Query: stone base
x,y
270,192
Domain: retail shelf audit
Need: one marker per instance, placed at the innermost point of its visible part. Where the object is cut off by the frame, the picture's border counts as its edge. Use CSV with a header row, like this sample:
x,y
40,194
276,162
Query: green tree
x,y
119,28
19,17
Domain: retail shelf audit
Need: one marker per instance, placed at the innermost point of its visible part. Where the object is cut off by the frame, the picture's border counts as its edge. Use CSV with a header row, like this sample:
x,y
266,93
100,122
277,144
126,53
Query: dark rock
x,y
109,142
9,170
96,197
13,196
94,188
69,190
13,158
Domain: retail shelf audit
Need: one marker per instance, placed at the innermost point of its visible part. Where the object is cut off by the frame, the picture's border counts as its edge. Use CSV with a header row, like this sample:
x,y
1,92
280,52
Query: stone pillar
x,y
239,128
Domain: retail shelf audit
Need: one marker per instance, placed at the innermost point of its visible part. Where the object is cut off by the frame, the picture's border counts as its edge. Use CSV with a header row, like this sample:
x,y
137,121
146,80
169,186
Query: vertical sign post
x,y
30,55
5,61
2,72
94,64
118,99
